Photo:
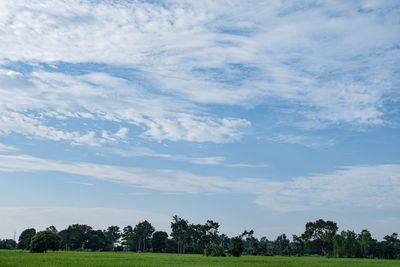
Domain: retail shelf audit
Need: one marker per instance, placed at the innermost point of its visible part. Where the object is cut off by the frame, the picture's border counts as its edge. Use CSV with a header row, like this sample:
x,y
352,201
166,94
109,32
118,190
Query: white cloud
x,y
308,141
339,60
6,148
9,73
370,186
121,133
101,97
128,151
26,125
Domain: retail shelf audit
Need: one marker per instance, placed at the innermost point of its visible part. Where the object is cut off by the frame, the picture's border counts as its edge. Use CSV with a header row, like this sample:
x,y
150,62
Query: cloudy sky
x,y
257,114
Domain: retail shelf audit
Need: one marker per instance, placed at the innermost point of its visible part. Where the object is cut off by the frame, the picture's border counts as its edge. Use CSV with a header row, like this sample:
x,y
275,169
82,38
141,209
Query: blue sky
x,y
257,114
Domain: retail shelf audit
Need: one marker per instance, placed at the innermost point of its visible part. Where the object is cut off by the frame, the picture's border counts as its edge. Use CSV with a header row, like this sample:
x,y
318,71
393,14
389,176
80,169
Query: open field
x,y
110,259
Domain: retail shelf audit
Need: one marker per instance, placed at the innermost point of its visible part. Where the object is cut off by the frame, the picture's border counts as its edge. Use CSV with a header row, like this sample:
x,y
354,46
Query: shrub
x,y
215,250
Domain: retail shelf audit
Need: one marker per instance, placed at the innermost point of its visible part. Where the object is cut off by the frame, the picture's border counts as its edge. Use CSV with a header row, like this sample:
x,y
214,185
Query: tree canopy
x,y
319,237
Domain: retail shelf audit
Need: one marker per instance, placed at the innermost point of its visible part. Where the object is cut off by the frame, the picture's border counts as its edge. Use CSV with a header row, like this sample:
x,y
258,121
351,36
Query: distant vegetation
x,y
319,238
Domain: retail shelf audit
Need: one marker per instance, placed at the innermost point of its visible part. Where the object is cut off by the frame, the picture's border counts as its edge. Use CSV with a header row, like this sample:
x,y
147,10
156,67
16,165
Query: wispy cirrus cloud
x,y
331,63
101,97
370,186
205,160
307,141
7,148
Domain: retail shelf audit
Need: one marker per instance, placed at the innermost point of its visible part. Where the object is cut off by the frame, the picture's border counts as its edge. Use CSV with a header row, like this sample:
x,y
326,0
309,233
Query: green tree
x,y
298,245
24,241
172,246
338,247
180,232
215,250
281,245
319,236
250,242
159,241
53,229
112,234
211,232
8,244
237,246
196,238
225,241
75,236
350,244
128,238
143,231
365,240
45,240
391,246
263,246
95,240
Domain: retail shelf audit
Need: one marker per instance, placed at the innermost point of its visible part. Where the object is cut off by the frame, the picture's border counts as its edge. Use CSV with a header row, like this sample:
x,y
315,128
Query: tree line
x,y
319,238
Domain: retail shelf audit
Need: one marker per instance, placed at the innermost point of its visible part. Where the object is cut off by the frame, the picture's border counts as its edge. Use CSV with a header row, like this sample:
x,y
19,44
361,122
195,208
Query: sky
x,y
259,115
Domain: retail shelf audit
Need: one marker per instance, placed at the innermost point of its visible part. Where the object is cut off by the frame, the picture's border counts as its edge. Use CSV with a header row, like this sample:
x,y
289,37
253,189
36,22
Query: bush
x,y
237,246
8,244
214,250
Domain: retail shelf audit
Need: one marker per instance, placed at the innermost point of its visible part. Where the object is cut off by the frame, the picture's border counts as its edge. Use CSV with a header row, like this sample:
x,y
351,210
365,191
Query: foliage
x,y
159,241
8,244
180,232
319,237
44,241
142,232
237,246
24,241
96,240
281,245
128,238
75,236
250,243
215,250
112,235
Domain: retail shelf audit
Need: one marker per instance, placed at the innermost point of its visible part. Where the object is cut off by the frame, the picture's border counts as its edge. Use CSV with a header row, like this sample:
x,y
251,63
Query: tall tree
x,y
365,240
24,241
128,238
391,246
281,245
75,236
159,241
112,234
180,232
263,246
143,231
319,235
350,244
211,228
250,242
298,245
237,246
96,240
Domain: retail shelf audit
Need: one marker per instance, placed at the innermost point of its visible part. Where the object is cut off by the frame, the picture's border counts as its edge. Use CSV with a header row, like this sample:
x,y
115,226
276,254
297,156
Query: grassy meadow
x,y
114,259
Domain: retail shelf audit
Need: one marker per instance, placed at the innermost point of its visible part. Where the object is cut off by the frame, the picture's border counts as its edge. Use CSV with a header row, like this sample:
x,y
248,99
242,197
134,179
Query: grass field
x,y
110,259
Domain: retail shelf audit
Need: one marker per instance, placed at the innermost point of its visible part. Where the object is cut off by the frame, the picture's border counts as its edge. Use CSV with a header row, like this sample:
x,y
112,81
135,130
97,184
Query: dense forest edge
x,y
319,238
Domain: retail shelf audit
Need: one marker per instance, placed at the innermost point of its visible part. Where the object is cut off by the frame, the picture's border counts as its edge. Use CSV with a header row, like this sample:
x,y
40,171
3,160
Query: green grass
x,y
111,259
